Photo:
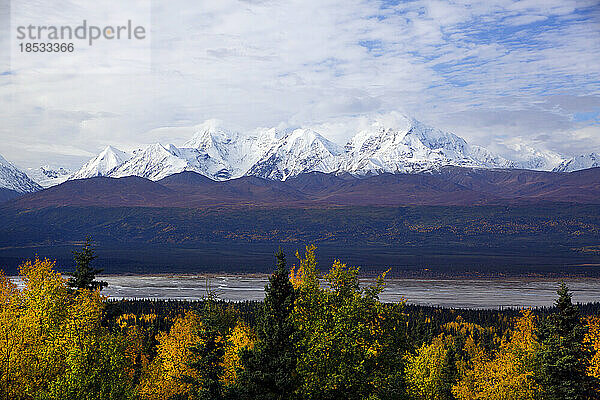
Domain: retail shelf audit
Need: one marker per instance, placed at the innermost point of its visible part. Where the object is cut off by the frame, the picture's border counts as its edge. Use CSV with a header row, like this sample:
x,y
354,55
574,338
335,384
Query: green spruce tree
x,y
564,357
208,359
84,275
269,370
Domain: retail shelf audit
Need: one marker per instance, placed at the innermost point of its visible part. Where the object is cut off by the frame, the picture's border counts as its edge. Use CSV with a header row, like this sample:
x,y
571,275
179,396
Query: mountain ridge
x,y
449,186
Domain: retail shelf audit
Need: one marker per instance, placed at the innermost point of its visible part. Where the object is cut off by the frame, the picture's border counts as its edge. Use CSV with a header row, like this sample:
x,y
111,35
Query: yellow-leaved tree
x,y
593,338
12,343
52,342
430,372
173,356
347,346
242,337
508,373
172,373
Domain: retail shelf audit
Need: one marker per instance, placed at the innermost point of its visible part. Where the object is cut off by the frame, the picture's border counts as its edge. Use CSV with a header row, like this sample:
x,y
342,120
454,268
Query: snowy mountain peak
x,y
303,139
489,159
102,164
390,128
300,151
400,144
583,161
154,162
14,179
47,175
223,148
212,134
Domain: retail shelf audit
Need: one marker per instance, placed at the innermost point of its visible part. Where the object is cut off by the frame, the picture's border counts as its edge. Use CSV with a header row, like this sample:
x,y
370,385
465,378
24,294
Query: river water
x,y
463,293
458,293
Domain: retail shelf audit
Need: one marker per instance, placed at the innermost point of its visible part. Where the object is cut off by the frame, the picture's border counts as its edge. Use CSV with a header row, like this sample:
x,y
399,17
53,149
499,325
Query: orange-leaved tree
x,y
173,372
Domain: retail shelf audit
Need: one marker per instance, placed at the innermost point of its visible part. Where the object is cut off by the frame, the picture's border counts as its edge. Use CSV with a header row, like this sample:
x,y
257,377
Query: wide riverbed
x,y
467,293
459,293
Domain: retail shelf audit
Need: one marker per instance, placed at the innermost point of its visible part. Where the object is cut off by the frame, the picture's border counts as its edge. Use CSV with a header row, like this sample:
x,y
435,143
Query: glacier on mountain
x,y
411,147
300,151
535,159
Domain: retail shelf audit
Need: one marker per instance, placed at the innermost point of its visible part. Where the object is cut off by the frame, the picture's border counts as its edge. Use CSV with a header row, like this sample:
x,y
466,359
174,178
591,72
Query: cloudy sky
x,y
499,73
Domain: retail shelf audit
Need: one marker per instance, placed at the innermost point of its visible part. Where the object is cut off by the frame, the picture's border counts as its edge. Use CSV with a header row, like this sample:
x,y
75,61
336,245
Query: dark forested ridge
x,y
550,238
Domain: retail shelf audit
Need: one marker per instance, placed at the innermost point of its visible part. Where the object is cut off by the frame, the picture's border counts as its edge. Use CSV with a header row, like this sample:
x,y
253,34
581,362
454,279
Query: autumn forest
x,y
313,337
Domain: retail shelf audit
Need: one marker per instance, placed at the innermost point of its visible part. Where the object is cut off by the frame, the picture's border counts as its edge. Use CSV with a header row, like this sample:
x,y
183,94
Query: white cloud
x,y
524,19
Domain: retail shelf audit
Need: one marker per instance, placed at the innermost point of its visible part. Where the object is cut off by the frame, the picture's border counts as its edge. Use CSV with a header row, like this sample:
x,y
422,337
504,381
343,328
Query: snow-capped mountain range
x,y
12,178
407,146
536,159
403,145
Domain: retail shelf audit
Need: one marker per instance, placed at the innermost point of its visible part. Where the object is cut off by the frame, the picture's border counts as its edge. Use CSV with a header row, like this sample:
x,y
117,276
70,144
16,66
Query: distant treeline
x,y
166,310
